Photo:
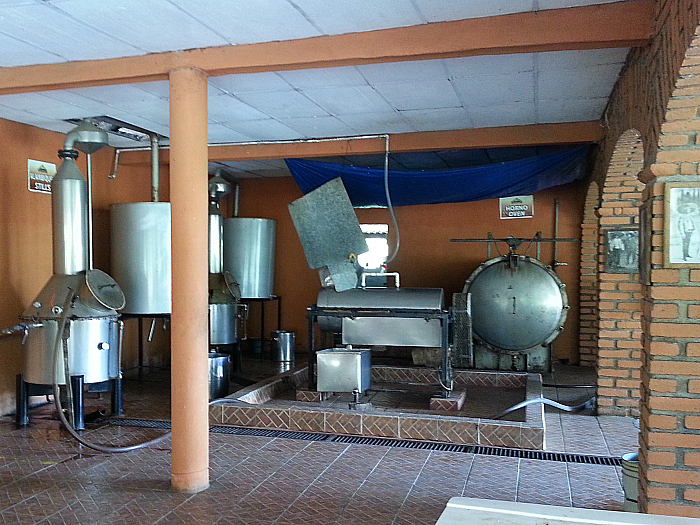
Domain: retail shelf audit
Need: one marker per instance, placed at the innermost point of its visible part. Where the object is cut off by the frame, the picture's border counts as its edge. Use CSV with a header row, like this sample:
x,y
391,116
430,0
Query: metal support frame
x,y
314,312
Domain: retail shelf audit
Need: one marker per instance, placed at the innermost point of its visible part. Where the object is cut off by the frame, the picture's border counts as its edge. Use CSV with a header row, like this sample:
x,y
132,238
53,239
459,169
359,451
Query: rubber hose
x,y
588,404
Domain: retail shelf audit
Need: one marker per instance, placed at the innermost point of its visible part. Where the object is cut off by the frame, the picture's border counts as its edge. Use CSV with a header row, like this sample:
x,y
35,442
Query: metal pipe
x,y
18,329
236,196
155,175
255,143
89,210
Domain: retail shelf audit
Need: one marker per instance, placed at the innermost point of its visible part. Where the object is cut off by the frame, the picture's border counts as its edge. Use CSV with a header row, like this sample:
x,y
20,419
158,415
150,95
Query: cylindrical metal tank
x,y
249,255
223,323
140,245
518,303
69,217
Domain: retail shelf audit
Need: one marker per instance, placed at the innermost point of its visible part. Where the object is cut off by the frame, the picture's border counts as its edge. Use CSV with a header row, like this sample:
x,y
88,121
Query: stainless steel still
x,y
249,255
69,219
518,303
223,325
141,255
392,330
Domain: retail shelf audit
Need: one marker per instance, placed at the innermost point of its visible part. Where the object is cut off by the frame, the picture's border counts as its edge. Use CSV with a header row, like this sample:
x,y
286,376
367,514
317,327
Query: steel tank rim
x,y
546,268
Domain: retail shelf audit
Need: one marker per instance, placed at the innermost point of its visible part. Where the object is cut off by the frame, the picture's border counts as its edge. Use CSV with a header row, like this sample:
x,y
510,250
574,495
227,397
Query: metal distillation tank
x,y
224,292
80,329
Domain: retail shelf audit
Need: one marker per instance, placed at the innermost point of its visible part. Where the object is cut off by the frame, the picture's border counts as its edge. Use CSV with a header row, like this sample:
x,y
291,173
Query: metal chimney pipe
x,y
155,175
218,187
69,217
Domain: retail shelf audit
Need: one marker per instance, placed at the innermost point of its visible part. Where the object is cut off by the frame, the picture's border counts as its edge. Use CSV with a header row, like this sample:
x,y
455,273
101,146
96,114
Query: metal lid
x,y
105,289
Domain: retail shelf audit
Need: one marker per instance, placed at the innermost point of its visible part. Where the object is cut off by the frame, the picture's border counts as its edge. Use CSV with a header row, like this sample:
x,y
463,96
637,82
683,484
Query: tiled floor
x,y
46,478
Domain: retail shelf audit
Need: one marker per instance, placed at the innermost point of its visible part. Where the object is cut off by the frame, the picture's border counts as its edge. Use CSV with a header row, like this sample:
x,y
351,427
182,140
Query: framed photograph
x,y
682,225
622,250
645,243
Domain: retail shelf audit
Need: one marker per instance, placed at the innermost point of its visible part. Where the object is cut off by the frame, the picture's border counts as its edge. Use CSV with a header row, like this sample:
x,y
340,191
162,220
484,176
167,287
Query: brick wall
x,y
619,294
588,294
659,98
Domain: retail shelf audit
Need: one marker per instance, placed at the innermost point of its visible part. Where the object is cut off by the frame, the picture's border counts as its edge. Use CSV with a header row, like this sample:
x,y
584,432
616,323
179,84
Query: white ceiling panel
x,y
249,22
160,89
350,16
570,110
581,58
438,119
60,34
345,100
14,52
403,71
425,94
235,84
328,77
503,115
268,129
377,123
468,67
490,90
442,10
589,82
219,133
154,26
225,108
283,104
318,127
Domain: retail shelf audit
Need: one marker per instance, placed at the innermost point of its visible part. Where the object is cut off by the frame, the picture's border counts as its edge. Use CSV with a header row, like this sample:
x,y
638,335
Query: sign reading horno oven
x,y
521,207
39,175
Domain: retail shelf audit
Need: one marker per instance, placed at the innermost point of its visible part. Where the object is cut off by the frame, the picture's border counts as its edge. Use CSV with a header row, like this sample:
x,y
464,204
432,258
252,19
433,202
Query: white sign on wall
x,y
520,207
39,175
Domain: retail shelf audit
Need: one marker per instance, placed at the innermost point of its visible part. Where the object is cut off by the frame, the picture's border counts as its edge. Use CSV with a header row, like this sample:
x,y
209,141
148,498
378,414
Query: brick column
x,y
620,294
588,291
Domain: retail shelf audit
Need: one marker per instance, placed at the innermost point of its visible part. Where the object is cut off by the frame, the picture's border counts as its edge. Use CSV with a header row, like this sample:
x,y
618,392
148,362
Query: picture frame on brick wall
x,y
682,225
622,250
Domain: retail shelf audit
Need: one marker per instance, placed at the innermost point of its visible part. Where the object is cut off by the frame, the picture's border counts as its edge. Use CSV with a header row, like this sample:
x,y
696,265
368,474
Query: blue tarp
x,y
365,186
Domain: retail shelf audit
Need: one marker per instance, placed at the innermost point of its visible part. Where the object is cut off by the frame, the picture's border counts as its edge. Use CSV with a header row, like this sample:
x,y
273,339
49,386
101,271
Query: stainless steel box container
x,y
343,369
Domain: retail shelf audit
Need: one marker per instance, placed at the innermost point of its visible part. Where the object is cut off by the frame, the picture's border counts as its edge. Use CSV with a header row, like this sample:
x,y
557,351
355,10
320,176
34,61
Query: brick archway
x,y
670,408
619,292
588,287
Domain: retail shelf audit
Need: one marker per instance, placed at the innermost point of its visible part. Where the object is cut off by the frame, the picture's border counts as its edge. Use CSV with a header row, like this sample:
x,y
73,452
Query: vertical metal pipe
x,y
89,209
236,196
190,260
155,169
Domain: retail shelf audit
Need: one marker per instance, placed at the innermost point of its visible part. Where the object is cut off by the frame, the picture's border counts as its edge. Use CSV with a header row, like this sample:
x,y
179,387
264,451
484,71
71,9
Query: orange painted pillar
x,y
190,267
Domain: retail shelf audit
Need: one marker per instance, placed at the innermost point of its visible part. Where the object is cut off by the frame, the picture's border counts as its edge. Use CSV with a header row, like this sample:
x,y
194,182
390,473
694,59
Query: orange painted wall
x,y
426,258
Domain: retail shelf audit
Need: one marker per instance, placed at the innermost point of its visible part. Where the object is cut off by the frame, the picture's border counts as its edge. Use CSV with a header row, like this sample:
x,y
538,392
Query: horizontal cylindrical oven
x,y
391,329
92,351
518,303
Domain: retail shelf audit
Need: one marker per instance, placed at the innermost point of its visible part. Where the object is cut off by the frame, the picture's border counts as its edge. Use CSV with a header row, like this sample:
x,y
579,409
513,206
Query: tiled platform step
x,y
257,407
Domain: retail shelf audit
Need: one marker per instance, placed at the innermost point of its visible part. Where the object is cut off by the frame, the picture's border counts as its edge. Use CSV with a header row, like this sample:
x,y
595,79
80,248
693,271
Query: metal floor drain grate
x,y
389,442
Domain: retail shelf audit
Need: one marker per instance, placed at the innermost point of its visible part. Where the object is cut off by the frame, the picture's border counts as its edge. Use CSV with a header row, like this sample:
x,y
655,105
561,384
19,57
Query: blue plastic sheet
x,y
365,186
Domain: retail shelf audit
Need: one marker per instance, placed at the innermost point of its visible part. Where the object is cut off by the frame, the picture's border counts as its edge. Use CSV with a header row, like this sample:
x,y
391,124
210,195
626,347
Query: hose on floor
x,y
588,404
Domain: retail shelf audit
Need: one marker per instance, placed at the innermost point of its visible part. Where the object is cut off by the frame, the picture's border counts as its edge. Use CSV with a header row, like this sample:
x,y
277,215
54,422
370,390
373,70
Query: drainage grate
x,y
547,456
389,442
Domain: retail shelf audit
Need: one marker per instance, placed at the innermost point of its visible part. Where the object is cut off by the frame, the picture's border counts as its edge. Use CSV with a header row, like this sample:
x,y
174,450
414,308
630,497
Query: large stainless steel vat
x,y
249,255
518,303
141,255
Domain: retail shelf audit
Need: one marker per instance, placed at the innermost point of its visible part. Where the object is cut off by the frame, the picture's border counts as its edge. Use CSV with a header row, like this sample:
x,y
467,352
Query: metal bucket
x,y
218,375
283,346
630,477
